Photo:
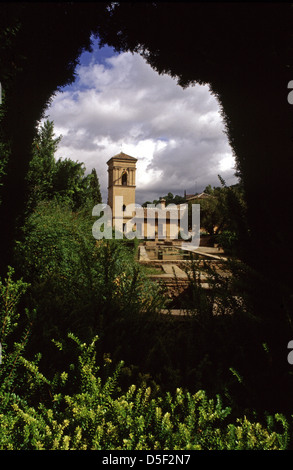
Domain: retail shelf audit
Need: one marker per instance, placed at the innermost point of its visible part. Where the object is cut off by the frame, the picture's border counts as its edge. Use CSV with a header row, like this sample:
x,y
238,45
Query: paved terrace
x,y
174,277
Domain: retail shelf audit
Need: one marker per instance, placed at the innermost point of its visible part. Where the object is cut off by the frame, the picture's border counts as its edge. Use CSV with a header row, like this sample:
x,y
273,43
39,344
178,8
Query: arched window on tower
x,y
124,178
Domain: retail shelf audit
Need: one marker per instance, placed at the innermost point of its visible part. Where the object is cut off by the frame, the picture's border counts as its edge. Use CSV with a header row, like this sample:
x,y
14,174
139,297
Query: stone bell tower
x,y
121,182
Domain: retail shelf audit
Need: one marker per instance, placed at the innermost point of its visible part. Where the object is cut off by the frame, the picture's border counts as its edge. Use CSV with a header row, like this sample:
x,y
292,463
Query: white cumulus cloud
x,y
122,104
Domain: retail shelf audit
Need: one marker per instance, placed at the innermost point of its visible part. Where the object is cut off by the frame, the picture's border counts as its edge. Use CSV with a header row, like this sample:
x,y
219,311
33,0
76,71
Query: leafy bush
x,y
62,179
99,417
11,348
97,288
227,240
78,284
78,410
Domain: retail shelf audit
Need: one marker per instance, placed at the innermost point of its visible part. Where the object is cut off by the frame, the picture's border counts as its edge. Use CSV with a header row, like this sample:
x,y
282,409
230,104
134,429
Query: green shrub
x,y
100,417
227,240
79,284
69,269
79,410
11,347
96,288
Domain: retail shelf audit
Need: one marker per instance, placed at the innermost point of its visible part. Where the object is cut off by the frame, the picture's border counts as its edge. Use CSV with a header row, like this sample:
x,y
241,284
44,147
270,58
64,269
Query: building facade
x,y
121,187
154,223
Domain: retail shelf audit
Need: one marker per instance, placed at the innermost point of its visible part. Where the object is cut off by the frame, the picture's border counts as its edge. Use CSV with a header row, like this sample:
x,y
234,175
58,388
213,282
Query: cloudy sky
x,y
119,103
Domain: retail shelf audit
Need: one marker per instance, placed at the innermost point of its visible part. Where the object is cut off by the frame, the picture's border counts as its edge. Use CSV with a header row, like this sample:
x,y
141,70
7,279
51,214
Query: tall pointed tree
x,y
95,187
62,179
42,167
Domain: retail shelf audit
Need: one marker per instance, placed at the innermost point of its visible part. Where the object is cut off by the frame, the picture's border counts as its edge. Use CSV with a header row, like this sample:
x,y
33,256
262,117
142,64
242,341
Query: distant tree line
x,y
169,199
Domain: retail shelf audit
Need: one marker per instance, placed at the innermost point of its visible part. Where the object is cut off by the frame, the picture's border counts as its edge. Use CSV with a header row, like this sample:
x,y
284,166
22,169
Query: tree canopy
x,y
169,199
62,179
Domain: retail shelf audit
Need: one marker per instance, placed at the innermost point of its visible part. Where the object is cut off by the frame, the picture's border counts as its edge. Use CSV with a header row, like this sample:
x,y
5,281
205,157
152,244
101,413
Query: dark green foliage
x,y
95,187
223,216
89,287
56,256
76,283
227,240
71,186
4,152
97,415
42,166
63,180
4,147
10,293
63,400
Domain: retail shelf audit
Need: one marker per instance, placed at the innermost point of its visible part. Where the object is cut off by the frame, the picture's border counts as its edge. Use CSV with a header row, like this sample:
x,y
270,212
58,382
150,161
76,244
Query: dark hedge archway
x,y
243,50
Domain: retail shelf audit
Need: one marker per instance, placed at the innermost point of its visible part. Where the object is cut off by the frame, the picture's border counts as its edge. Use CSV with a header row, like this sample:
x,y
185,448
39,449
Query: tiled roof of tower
x,y
123,156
